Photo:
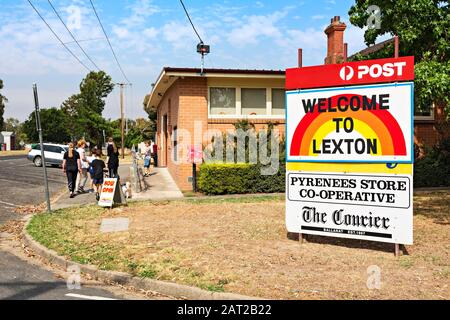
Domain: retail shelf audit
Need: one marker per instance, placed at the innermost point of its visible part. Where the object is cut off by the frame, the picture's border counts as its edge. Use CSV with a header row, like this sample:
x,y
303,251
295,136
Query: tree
x,y
139,131
152,116
2,106
14,125
54,124
94,89
70,108
11,125
84,110
423,29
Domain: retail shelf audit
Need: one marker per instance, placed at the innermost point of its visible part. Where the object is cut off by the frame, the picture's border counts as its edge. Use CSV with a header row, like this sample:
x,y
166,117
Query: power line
x,y
54,33
190,20
73,37
84,40
109,42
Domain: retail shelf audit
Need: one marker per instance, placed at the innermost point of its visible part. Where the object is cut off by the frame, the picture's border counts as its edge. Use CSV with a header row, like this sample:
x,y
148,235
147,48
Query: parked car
x,y
54,154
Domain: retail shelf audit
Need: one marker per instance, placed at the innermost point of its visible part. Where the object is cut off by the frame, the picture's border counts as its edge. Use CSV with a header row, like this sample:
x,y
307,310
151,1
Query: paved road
x,y
22,184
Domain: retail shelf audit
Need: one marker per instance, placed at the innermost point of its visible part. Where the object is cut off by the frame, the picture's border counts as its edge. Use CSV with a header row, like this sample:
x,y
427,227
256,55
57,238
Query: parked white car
x,y
53,153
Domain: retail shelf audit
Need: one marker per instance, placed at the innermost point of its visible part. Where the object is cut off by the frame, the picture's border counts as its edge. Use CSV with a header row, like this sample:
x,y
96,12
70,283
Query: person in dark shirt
x,y
97,176
71,167
113,159
155,155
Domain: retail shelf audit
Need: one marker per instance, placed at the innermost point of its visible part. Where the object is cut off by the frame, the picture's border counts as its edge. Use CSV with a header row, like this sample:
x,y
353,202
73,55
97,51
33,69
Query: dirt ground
x,y
241,246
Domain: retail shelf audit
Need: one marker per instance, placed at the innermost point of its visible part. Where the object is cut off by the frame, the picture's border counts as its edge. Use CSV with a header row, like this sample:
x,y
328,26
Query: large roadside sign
x,y
349,150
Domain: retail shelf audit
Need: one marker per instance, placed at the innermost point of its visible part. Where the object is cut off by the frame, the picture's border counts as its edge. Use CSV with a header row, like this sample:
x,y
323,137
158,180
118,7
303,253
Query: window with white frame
x,y
253,101
426,113
278,101
222,101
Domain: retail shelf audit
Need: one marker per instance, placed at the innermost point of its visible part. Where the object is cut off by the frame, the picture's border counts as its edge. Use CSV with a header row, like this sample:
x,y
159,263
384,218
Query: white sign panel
x,y
363,206
371,123
107,194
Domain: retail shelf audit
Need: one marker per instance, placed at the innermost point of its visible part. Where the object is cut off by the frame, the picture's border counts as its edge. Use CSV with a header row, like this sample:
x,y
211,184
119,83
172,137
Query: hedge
x,y
217,179
433,170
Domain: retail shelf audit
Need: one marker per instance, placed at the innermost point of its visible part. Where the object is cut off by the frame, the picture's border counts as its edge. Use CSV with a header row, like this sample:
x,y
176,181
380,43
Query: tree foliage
x,y
54,126
84,109
2,106
152,115
423,27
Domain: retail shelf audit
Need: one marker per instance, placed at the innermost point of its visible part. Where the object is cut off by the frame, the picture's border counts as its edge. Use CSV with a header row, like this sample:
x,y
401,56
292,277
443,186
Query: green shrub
x,y
433,170
240,178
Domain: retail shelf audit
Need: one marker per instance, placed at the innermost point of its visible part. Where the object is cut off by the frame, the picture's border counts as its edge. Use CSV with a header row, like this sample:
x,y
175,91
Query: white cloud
x,y
141,10
178,34
121,32
254,27
318,17
259,4
150,33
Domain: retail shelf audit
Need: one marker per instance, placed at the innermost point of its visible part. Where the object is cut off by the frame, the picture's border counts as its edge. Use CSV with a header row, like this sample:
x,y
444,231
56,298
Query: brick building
x,y
218,98
214,100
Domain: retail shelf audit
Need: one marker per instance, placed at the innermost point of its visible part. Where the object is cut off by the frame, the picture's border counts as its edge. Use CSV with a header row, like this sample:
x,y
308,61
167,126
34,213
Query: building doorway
x,y
165,134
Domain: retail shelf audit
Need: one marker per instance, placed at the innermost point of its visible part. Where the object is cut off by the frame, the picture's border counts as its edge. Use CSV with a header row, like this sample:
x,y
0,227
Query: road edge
x,y
171,289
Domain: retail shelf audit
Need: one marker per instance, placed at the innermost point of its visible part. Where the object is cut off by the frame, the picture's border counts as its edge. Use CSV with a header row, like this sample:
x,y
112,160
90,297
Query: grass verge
x,y
239,244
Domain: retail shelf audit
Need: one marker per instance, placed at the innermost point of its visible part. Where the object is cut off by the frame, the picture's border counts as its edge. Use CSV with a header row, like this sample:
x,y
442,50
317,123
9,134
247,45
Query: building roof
x,y
226,71
374,48
170,74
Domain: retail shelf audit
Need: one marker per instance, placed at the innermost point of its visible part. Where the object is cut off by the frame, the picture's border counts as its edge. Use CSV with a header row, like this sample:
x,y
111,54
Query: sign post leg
x,y
194,177
397,249
300,238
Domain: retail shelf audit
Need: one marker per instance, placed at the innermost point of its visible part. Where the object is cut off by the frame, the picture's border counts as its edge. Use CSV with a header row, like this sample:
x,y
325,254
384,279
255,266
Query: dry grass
x,y
240,245
13,153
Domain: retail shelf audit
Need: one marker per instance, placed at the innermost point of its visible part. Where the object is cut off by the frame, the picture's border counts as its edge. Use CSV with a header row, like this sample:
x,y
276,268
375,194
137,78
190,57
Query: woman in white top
x,y
83,177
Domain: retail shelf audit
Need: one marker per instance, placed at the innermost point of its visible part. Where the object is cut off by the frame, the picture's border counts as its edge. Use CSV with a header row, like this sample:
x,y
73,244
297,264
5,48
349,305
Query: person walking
x,y
71,166
155,155
83,176
91,159
113,159
97,173
147,159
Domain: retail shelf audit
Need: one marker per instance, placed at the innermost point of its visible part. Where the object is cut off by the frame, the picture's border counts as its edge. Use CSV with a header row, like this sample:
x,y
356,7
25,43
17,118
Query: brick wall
x,y
186,103
187,99
429,132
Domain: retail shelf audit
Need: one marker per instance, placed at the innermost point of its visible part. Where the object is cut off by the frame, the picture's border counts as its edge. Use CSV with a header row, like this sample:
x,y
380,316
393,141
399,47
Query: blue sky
x,y
148,35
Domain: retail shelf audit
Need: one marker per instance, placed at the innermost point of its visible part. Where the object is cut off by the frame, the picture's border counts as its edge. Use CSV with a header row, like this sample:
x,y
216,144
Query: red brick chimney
x,y
335,34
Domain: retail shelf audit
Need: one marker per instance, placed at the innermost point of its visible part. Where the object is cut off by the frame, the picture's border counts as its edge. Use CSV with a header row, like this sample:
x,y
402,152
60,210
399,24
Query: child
x,y
90,159
97,176
147,159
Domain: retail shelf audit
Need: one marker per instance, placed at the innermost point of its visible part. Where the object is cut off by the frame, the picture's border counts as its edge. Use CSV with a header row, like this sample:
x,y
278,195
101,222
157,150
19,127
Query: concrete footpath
x,y
158,186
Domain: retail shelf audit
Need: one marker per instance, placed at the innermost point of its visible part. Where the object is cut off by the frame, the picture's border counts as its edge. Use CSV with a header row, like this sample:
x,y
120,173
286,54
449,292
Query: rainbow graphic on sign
x,y
375,124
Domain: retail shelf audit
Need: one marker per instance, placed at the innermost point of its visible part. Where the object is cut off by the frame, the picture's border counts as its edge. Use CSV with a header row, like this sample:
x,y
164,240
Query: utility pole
x,y
122,116
41,142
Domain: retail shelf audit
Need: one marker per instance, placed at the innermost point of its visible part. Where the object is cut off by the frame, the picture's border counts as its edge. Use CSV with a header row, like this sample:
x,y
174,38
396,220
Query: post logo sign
x,y
349,150
373,71
351,73
360,123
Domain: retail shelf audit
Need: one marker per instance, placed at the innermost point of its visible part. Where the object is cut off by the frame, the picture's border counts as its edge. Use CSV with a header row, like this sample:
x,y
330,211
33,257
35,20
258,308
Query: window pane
x,y
425,111
278,101
222,101
253,101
